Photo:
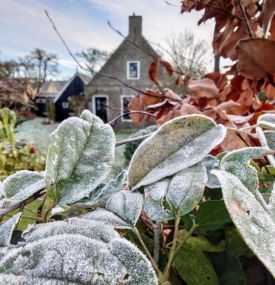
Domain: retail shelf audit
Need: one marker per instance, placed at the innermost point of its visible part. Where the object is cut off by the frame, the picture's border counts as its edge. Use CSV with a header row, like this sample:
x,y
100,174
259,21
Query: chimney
x,y
135,25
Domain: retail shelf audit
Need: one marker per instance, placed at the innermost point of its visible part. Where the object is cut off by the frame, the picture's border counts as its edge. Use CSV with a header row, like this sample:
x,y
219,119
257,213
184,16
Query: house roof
x,y
85,79
134,39
51,88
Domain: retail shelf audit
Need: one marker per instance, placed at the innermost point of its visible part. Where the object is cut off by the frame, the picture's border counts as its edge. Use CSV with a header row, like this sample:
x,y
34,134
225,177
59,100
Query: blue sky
x,y
83,23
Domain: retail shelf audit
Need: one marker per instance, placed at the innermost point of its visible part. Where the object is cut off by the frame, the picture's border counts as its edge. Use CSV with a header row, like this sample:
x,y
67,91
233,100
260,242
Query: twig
x,y
157,236
112,122
133,140
25,202
246,19
220,8
87,68
244,132
171,4
183,241
173,249
155,266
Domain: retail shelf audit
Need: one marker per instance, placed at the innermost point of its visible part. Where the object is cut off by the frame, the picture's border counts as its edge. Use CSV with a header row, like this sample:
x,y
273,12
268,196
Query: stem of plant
x,y
173,249
183,241
155,266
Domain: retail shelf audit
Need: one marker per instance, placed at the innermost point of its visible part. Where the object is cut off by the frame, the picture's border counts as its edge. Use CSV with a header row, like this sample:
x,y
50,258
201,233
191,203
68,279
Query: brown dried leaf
x,y
203,88
256,58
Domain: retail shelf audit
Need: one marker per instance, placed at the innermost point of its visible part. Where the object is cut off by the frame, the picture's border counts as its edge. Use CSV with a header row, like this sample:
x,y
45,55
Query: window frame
x,y
93,103
67,104
128,69
122,107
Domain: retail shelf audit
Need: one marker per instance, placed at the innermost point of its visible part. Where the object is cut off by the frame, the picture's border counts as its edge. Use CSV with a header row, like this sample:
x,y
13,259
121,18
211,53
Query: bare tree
x,y
8,68
37,66
94,58
187,54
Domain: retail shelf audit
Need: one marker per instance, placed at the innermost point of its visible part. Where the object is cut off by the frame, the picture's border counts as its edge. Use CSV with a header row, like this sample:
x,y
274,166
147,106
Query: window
x,y
65,105
125,100
100,103
133,69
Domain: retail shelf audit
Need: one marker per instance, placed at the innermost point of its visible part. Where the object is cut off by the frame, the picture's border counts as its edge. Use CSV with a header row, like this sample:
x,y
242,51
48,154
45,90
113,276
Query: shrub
x,y
14,155
166,204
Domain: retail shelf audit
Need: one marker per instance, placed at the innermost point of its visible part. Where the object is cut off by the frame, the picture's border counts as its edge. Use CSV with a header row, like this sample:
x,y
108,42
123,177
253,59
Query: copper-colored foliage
x,y
236,98
155,68
256,58
204,87
267,12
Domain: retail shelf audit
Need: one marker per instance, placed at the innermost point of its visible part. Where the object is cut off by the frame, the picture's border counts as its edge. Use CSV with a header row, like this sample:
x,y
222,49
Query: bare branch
x,y
141,138
112,122
246,19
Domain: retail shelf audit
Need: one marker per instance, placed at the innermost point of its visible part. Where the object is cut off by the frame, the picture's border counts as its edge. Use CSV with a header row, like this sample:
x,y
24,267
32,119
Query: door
x,y
100,108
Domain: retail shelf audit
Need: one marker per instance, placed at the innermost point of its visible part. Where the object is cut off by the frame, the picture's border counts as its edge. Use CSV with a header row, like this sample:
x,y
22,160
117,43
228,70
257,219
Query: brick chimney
x,y
135,25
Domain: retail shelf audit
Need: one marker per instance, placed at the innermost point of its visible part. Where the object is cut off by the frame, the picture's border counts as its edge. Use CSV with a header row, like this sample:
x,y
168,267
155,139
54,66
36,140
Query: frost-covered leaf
x,y
99,196
87,228
186,188
176,145
126,205
21,186
270,138
267,121
12,279
80,156
107,217
181,192
7,228
154,196
237,162
211,163
251,217
79,260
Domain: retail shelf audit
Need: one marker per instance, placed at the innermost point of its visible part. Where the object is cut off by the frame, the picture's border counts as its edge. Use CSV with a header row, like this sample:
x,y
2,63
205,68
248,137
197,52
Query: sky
x,y
83,24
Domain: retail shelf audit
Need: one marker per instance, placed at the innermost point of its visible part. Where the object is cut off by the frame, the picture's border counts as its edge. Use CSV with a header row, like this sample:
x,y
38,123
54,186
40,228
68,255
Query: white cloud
x,y
23,24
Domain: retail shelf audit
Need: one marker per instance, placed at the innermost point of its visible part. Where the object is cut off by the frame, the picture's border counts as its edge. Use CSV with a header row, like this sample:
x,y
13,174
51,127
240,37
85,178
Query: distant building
x,y
58,93
108,98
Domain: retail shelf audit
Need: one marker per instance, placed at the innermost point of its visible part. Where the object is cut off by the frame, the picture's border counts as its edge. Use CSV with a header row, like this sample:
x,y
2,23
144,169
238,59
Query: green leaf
x,y
21,185
7,228
237,162
267,121
212,215
235,244
251,216
228,268
211,163
176,145
194,267
80,156
202,243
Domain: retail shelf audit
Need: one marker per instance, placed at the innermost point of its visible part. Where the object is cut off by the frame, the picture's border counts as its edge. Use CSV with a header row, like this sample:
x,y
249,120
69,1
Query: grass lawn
x,y
34,131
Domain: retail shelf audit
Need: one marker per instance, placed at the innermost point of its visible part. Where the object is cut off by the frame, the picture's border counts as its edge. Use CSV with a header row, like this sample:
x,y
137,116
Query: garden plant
x,y
197,203
155,223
